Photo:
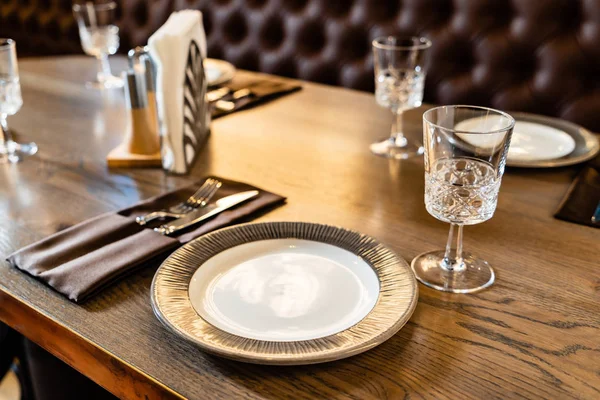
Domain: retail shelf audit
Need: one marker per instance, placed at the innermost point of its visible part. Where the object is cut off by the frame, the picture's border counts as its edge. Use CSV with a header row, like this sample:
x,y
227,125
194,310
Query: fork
x,y
198,200
226,105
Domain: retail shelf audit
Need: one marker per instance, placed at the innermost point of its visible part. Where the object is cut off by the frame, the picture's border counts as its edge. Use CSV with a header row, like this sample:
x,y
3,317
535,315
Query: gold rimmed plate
x,y
284,293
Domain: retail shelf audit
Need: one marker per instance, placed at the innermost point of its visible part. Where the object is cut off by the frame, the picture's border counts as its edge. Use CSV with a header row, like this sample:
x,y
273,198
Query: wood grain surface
x,y
534,334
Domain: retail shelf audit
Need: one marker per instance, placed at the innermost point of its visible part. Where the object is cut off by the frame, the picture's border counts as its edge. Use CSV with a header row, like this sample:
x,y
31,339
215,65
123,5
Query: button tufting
x,y
295,6
257,4
533,55
354,76
275,64
336,9
207,22
354,43
311,38
32,25
44,5
65,5
235,28
319,71
247,60
215,50
140,11
378,11
53,29
272,33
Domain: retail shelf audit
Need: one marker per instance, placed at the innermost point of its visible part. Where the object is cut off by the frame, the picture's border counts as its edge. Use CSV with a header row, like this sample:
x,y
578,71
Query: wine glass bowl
x,y
10,103
99,38
399,64
103,40
465,157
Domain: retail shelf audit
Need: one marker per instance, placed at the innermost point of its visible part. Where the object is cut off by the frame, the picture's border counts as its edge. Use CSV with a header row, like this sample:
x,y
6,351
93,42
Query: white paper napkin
x,y
178,49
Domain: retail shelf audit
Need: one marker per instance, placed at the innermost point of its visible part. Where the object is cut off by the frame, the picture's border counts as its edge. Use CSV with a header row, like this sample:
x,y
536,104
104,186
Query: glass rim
x,y
424,43
6,43
111,5
510,118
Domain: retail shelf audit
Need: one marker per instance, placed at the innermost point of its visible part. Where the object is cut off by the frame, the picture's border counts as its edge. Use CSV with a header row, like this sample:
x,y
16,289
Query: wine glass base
x,y
111,82
13,152
476,275
390,148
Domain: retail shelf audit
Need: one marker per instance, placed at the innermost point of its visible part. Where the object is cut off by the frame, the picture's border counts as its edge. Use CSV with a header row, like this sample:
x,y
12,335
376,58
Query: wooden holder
x,y
141,147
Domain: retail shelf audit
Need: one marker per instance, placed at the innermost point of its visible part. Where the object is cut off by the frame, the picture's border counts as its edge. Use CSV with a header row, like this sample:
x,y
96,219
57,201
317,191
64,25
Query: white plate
x,y
537,142
218,71
530,141
284,290
284,293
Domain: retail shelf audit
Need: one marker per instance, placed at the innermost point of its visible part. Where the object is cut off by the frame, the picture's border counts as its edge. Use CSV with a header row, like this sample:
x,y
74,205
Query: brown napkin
x,y
583,197
83,259
262,91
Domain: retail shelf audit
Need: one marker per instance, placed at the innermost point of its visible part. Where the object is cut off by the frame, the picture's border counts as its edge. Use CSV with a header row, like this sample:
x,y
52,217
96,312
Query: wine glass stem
x,y
453,261
396,134
103,68
4,134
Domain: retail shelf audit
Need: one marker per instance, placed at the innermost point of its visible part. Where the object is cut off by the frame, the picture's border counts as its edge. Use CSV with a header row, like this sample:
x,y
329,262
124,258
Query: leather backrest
x,y
541,56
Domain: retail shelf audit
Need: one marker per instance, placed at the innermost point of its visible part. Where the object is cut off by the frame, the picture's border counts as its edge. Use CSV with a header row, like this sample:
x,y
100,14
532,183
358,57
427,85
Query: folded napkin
x,y
262,90
178,49
83,259
583,197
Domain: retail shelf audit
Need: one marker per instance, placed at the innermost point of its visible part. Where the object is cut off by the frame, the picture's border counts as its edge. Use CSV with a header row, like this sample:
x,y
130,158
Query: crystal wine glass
x,y
99,37
399,83
465,156
10,103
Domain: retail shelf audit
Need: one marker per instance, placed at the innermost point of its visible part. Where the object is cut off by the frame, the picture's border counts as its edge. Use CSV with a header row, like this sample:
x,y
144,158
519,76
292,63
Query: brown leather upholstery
x,y
541,56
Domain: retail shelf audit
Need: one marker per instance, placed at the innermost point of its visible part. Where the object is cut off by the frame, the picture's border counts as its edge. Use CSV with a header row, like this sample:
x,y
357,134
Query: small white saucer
x,y
218,71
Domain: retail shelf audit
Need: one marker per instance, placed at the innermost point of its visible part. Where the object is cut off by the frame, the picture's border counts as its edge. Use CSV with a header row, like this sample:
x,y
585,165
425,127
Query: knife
x,y
204,213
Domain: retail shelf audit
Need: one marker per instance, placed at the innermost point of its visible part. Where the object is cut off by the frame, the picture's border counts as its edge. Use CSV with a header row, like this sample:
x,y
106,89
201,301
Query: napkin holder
x,y
178,50
141,147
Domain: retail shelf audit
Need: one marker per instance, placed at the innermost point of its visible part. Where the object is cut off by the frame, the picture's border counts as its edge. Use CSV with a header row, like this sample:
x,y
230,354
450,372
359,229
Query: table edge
x,y
74,349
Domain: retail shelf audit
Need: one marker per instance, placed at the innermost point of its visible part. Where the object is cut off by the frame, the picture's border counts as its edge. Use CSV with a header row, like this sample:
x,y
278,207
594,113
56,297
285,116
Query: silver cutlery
x,y
228,105
217,94
197,216
198,200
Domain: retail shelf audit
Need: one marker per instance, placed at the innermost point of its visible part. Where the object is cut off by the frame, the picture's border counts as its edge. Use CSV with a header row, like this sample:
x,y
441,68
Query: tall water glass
x,y
465,156
10,103
99,37
399,82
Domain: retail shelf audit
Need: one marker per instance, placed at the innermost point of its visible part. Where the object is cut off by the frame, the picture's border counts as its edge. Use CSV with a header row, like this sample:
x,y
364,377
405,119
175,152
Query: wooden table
x,y
534,334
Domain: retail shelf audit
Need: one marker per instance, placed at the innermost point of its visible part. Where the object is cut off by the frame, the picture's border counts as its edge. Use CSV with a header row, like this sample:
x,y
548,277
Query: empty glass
x,y
399,82
465,155
10,103
99,38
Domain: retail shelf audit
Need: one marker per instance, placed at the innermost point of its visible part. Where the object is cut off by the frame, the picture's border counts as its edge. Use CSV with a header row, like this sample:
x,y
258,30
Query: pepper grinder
x,y
141,147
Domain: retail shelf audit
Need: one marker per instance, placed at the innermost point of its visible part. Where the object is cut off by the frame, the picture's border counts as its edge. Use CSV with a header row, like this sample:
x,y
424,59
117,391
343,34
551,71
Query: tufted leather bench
x,y
540,56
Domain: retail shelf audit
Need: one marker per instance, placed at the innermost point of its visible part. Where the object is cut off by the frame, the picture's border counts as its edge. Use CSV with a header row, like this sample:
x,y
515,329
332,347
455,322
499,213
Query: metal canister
x,y
143,137
141,61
